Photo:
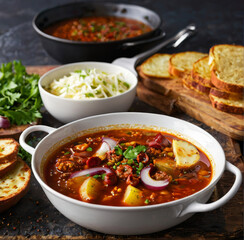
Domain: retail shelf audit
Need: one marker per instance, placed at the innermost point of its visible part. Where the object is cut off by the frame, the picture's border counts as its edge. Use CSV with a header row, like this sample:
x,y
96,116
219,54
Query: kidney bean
x,y
93,161
142,157
110,179
132,180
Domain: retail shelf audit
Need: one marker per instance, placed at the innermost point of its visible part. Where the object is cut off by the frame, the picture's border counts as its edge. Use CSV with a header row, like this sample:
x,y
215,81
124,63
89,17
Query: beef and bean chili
x,y
128,167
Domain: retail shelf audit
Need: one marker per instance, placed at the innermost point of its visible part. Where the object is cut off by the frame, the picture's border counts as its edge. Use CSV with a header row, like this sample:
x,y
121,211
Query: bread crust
x,y
6,167
198,87
176,72
226,95
10,200
217,82
155,74
173,70
225,107
229,87
11,155
198,78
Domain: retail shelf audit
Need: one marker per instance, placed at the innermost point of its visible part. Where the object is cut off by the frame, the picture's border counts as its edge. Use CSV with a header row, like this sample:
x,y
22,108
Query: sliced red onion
x,y
91,172
4,122
103,149
112,143
150,183
107,145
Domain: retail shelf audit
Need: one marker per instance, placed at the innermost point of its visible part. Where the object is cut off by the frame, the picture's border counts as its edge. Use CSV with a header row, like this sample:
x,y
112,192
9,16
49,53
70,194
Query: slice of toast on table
x,y
8,150
157,66
181,64
14,185
227,67
201,72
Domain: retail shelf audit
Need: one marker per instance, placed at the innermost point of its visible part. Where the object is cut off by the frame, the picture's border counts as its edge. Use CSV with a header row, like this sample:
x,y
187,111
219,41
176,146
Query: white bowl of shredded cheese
x,y
78,90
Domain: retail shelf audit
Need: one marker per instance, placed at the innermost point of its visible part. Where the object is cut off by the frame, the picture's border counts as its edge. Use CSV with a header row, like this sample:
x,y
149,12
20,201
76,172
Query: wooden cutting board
x,y
169,95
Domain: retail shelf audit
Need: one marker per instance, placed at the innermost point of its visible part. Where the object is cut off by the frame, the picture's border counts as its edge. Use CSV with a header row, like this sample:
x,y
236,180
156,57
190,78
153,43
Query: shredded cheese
x,y
89,83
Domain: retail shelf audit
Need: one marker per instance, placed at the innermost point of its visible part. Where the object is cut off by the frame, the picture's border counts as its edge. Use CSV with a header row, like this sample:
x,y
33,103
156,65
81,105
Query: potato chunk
x,y
186,155
133,196
165,164
90,189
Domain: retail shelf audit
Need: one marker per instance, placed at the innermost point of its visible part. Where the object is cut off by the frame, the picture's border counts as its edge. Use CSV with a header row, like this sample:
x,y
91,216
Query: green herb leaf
x,y
97,176
118,150
89,149
103,176
147,201
131,153
24,155
130,161
20,100
66,153
141,166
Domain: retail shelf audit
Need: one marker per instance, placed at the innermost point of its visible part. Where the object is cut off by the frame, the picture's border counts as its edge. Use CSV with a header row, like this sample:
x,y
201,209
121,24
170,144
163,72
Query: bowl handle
x,y
29,130
202,207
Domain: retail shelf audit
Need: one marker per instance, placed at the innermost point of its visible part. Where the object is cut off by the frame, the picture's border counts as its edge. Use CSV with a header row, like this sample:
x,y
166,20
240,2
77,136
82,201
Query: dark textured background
x,y
217,21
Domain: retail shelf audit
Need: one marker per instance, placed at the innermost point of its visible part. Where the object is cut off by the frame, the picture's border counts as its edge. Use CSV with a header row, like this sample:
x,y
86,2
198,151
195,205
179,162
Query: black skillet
x,y
66,51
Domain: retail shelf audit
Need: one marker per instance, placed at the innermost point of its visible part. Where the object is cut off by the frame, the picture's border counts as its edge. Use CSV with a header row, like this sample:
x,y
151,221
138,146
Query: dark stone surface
x,y
217,21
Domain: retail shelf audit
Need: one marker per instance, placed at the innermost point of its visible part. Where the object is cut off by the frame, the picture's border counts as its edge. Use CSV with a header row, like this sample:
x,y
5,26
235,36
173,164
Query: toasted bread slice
x,y
201,72
226,95
227,67
157,66
14,185
6,167
196,86
180,64
227,105
8,149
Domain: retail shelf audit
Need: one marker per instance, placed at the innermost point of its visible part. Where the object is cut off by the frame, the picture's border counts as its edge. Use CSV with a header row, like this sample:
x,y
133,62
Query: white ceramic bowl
x,y
140,219
67,110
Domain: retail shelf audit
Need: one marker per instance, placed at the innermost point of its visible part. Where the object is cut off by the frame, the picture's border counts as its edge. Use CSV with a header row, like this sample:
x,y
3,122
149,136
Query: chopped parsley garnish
x,y
89,149
102,176
131,153
147,201
118,150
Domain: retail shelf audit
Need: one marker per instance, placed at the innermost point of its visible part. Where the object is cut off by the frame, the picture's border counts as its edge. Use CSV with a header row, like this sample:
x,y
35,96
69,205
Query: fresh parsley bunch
x,y
20,100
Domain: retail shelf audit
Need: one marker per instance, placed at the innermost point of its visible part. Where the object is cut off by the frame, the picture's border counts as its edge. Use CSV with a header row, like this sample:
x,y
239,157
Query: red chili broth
x,y
187,181
97,29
